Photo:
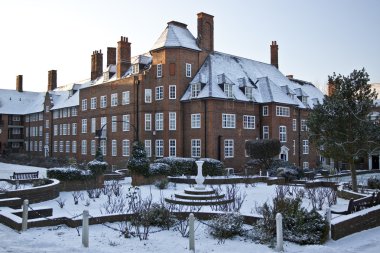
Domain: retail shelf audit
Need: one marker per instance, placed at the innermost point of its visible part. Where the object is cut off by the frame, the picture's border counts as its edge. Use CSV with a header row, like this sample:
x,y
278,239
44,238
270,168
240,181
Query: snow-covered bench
x,y
360,204
24,175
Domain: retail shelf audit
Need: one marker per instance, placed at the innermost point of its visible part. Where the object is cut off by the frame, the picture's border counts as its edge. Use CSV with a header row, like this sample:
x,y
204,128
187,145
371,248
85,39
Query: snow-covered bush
x,y
226,226
373,183
299,225
162,184
139,163
156,169
179,165
212,167
285,169
97,167
161,217
69,174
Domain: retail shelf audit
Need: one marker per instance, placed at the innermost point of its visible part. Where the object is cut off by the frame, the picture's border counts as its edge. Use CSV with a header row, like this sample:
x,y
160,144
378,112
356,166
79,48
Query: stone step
x,y
199,197
199,192
198,203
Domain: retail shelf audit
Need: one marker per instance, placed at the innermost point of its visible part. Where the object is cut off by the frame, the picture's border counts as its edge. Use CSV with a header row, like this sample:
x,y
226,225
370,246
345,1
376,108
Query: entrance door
x,y
375,162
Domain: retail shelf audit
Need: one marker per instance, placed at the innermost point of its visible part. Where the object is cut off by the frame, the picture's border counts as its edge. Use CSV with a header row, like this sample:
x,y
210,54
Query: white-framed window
x,y
84,104
47,108
114,148
47,123
228,90
196,120
84,147
47,138
68,129
74,111
172,147
195,90
114,124
103,125
125,98
74,128
148,148
103,147
249,122
148,122
93,125
40,116
305,147
60,146
228,148
60,130
126,122
196,148
282,133
68,146
148,95
114,99
159,70
84,126
248,92
188,70
172,92
103,101
265,110
74,147
282,111
228,120
159,92
159,148
305,165
93,147
304,125
40,131
135,68
294,125
64,113
159,126
266,132
55,147
39,145
172,121
93,103
126,148
64,129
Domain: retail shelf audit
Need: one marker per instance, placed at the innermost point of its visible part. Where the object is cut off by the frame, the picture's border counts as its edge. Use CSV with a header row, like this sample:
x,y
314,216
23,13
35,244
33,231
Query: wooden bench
x,y
24,175
360,204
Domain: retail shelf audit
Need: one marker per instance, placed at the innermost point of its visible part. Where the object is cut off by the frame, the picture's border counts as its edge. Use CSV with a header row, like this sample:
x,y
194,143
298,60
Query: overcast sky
x,y
316,38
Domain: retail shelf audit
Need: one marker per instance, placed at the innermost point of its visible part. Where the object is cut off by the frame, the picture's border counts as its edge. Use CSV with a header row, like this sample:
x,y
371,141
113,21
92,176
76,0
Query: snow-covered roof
x,y
142,59
64,99
175,35
269,84
21,103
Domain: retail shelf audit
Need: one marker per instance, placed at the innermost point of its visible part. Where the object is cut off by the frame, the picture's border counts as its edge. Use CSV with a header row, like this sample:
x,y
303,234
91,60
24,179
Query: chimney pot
x,y
19,87
274,54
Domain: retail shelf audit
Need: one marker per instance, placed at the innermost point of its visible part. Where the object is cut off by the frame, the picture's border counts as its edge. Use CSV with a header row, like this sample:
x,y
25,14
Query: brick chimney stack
x,y
19,83
123,56
96,64
111,56
52,80
274,54
205,37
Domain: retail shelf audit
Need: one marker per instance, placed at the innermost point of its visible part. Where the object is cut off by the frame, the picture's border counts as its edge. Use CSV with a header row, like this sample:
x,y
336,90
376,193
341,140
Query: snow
x,y
104,239
176,35
20,103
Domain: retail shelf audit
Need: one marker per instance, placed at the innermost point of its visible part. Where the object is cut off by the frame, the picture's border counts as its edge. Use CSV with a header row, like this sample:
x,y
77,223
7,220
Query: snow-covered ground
x,y
104,239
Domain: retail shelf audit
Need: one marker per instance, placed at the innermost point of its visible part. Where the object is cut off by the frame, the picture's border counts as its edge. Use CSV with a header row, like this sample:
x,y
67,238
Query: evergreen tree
x,y
139,163
341,126
263,151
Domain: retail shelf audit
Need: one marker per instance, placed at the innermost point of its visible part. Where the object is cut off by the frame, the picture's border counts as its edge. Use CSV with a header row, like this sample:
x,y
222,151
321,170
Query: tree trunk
x,y
353,177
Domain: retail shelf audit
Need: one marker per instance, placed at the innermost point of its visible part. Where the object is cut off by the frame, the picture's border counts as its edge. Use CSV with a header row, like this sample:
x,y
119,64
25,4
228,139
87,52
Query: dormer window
x,y
106,76
135,69
228,90
304,100
248,92
195,90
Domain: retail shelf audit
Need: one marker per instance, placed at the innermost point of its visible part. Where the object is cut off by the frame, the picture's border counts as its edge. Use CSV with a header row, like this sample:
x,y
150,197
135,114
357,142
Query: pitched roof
x,y
20,103
176,35
269,84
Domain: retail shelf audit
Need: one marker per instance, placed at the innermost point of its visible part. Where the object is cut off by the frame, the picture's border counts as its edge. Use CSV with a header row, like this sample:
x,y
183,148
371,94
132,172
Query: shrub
x,y
226,226
212,167
285,169
97,167
160,216
299,225
139,163
156,169
373,183
162,184
69,174
179,165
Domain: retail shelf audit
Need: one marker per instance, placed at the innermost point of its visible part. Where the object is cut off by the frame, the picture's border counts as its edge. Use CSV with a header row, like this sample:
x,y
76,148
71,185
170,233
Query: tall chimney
x,y
274,54
205,37
96,64
52,80
111,56
19,83
123,56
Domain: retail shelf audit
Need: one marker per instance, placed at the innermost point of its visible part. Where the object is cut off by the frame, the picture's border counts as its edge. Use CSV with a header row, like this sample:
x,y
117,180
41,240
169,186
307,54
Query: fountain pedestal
x,y
199,178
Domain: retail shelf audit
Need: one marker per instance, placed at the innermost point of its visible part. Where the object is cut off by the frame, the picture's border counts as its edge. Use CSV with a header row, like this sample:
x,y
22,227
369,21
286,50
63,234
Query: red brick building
x,y
182,99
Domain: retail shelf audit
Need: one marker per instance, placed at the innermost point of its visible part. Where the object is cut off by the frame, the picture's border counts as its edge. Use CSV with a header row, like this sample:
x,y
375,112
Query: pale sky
x,y
316,38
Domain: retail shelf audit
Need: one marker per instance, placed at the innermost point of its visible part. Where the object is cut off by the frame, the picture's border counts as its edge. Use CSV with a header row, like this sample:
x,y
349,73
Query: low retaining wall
x,y
80,185
349,224
349,194
138,180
